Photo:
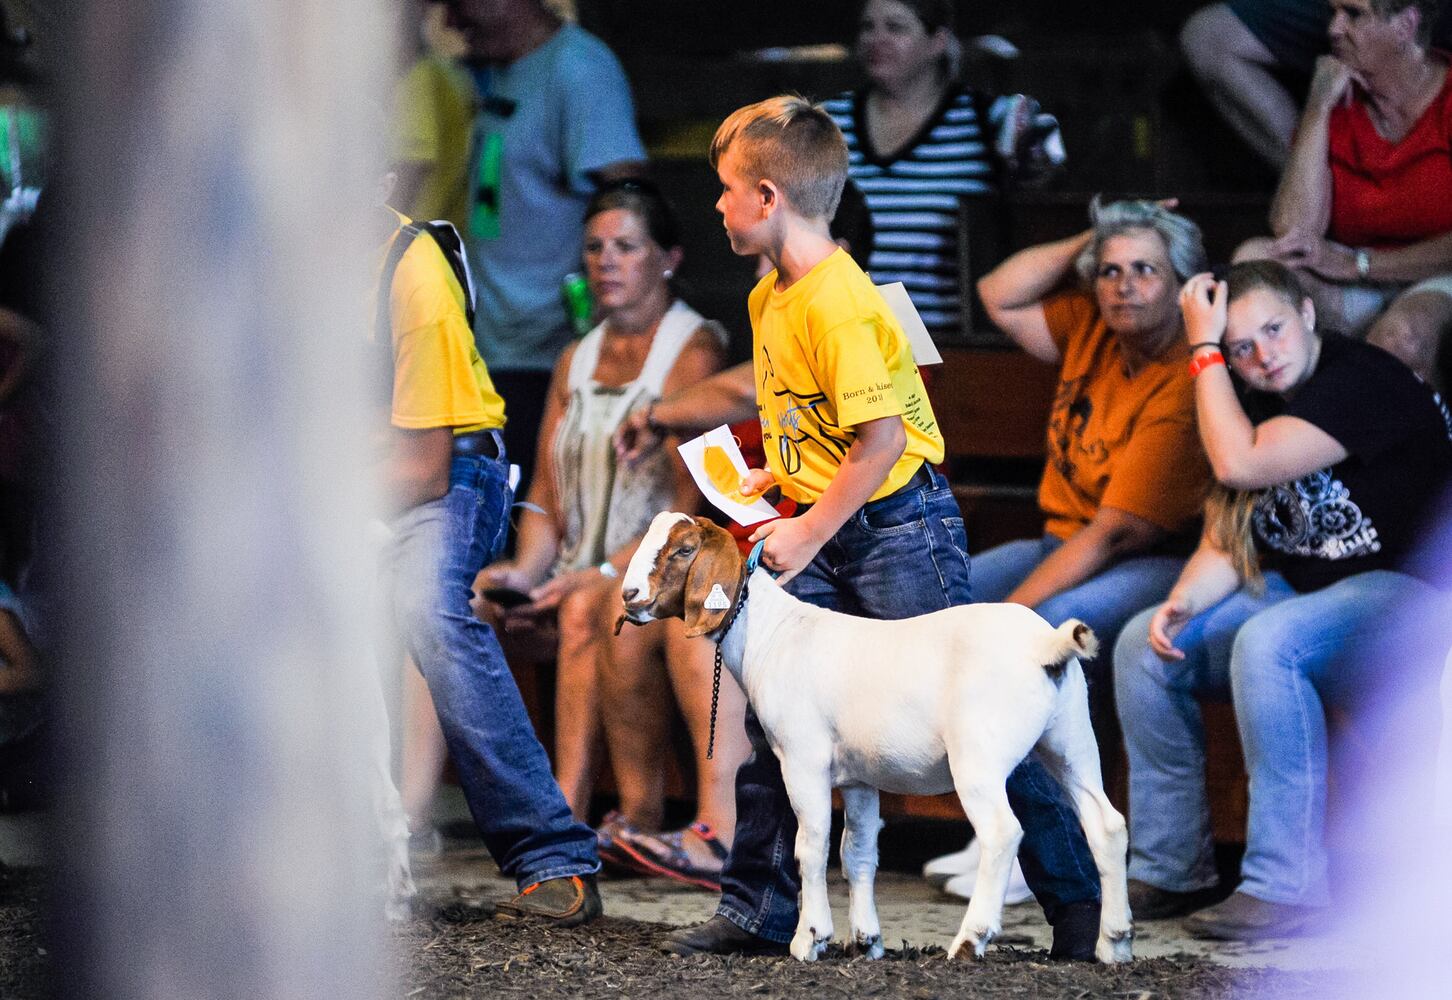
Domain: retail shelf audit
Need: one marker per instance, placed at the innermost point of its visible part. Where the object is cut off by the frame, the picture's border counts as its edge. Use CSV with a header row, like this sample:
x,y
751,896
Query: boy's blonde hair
x,y
792,142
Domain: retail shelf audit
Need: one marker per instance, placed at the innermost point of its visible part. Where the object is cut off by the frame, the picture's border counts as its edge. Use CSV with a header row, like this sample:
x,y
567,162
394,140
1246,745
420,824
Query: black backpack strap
x,y
447,238
383,320
449,241
383,323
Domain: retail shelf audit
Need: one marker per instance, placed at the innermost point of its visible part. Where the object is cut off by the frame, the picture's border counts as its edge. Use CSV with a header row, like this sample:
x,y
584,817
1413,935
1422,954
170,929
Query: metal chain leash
x,y
716,678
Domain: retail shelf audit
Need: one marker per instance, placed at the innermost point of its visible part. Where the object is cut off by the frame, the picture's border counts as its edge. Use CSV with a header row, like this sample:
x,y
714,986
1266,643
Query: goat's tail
x,y
1071,639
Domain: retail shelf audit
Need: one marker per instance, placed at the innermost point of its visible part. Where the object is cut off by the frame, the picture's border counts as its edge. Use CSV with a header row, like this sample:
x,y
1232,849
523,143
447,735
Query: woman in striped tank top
x,y
919,140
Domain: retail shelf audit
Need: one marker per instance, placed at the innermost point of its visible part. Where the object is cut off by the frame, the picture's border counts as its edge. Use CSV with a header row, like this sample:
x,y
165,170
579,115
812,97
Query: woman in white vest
x,y
587,516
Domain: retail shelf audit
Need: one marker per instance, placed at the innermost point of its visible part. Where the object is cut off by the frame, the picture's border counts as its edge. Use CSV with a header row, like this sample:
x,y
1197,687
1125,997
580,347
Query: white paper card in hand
x,y
925,352
717,467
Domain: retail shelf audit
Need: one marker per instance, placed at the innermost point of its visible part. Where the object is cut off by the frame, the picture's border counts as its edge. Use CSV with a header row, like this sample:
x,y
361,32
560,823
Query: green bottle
x,y
576,293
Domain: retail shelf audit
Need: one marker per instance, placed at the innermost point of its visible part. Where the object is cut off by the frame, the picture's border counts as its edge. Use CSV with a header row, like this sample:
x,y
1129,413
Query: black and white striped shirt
x,y
913,198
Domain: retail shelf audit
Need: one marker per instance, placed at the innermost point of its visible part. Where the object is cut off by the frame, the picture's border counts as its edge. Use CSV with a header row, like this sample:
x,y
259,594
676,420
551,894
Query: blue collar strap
x,y
754,560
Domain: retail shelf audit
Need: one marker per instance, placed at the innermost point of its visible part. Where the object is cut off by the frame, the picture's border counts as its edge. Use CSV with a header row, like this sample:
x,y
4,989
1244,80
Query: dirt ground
x,y
453,948
457,950
23,960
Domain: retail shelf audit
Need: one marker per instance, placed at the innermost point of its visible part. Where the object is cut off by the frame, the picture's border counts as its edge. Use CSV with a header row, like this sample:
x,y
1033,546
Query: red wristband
x,y
1200,363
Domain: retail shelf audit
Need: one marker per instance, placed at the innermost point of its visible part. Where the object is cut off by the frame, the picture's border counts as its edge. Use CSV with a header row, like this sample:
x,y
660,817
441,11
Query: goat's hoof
x,y
866,944
807,946
401,891
398,909
977,940
1114,948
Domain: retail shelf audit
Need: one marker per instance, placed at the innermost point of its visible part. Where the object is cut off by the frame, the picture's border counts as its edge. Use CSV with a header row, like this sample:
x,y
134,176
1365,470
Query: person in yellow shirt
x,y
448,481
849,434
433,115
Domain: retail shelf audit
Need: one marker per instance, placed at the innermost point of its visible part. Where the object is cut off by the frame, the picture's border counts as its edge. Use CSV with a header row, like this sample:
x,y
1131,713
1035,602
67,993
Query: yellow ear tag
x,y
723,474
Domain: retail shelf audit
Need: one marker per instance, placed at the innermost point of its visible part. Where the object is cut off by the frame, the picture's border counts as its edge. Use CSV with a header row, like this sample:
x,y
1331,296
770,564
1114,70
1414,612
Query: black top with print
x,y
1366,511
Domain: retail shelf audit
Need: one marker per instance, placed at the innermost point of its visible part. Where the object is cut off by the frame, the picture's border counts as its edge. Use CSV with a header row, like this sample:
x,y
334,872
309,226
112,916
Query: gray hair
x,y
1182,237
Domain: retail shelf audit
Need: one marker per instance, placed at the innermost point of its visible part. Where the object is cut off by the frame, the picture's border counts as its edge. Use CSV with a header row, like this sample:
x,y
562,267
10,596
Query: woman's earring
x,y
668,274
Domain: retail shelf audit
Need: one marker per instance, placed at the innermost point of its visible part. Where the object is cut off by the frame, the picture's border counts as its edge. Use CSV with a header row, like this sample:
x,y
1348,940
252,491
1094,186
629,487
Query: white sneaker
x,y
946,866
1018,890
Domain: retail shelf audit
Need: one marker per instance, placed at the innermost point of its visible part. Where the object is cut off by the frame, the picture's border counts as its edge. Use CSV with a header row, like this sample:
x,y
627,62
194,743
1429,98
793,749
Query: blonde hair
x,y
793,143
1228,515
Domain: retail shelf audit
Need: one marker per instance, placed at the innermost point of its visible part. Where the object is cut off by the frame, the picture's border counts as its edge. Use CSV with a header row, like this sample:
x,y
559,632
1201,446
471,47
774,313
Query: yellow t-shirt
x,y
439,379
433,115
830,355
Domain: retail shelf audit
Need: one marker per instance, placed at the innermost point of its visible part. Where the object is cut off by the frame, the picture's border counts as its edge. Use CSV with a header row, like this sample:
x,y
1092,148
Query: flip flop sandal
x,y
607,839
665,854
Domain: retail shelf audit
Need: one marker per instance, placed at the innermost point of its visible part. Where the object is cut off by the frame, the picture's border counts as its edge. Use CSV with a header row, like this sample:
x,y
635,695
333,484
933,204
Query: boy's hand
x,y
791,543
756,481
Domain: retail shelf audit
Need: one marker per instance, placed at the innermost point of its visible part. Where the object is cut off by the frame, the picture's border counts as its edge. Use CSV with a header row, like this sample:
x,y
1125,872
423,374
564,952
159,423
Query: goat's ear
x,y
717,562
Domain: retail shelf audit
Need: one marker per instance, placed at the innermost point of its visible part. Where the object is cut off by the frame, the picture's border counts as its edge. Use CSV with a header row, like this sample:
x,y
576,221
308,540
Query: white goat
x,y
948,701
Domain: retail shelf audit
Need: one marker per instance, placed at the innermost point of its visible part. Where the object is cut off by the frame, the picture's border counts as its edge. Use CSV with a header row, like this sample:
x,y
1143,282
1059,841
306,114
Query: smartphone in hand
x,y
505,597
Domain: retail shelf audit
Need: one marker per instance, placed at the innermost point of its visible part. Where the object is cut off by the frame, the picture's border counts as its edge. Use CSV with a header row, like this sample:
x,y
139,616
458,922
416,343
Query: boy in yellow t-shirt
x,y
849,434
448,478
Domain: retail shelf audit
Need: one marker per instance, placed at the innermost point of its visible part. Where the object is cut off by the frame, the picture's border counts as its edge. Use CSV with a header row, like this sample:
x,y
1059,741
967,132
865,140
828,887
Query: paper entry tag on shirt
x,y
716,465
925,352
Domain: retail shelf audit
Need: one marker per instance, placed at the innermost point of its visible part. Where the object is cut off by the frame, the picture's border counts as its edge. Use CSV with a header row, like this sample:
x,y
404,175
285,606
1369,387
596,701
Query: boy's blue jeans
x,y
429,567
899,557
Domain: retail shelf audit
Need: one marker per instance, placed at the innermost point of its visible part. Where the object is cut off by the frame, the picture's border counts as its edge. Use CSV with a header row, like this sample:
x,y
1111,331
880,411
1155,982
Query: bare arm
x,y
1013,293
725,398
1412,262
1111,534
1207,579
792,543
1243,455
1302,203
417,467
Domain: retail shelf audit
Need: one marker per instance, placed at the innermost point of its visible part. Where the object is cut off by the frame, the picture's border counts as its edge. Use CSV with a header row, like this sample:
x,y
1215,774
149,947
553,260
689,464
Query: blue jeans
x,y
1280,658
429,567
1104,602
899,557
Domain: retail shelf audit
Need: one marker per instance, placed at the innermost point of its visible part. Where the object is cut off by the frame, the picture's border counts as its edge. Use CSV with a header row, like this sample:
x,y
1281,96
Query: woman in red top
x,y
1364,208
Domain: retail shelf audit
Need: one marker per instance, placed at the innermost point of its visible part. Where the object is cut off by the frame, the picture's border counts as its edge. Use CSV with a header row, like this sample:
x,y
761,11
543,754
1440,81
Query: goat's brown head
x,y
681,560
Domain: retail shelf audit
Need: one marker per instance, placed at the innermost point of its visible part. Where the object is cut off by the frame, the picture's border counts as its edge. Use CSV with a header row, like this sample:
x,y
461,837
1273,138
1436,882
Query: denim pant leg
x,y
1288,662
1164,736
437,549
1110,598
997,571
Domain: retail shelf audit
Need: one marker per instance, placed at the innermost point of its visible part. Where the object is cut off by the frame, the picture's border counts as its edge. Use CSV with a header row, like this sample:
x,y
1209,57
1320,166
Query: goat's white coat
x,y
950,701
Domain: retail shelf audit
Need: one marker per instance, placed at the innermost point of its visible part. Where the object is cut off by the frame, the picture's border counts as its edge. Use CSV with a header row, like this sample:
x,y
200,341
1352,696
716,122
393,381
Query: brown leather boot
x,y
1243,917
564,902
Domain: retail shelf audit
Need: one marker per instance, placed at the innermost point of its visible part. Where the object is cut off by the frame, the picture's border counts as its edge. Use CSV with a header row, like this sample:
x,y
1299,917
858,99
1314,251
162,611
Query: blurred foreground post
x,y
215,832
